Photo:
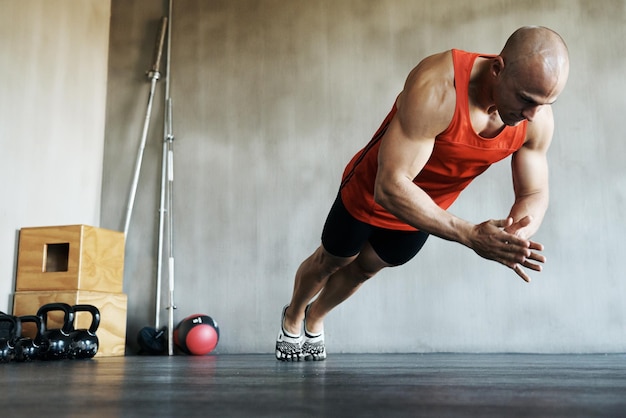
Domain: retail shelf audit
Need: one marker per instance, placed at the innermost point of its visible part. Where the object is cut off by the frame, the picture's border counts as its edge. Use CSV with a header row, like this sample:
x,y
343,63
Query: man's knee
x,y
367,264
328,263
360,274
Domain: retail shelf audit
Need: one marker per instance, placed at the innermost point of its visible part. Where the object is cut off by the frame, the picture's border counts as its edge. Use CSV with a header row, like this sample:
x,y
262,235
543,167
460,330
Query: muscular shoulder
x,y
426,104
539,131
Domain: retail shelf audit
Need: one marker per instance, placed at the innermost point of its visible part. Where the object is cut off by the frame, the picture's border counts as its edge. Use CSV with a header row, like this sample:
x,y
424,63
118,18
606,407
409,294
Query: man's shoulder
x,y
540,130
427,103
434,69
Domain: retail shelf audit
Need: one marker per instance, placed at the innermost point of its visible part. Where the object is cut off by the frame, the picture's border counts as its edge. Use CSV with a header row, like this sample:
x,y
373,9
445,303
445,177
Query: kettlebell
x,y
56,342
29,348
10,329
85,341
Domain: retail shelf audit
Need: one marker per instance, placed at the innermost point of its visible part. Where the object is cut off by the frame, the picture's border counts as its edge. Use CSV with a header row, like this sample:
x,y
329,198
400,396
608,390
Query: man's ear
x,y
497,65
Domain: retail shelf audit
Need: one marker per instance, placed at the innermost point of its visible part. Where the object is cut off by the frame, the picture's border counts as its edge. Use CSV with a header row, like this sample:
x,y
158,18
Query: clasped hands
x,y
503,241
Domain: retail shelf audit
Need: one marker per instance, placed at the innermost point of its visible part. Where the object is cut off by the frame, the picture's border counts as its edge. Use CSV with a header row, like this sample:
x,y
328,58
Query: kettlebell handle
x,y
95,316
68,320
40,326
16,325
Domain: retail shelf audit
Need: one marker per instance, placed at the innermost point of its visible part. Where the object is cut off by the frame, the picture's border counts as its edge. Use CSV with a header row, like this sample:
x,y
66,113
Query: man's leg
x,y
311,277
393,248
341,285
335,279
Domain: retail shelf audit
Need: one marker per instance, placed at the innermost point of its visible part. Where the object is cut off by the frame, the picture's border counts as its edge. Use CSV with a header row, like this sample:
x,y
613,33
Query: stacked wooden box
x,y
74,264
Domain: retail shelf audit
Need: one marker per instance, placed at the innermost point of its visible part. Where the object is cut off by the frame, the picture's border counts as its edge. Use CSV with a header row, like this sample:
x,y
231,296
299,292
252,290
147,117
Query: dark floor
x,y
412,385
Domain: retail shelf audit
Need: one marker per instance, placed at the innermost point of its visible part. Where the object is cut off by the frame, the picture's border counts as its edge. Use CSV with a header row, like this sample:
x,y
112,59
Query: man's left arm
x,y
529,167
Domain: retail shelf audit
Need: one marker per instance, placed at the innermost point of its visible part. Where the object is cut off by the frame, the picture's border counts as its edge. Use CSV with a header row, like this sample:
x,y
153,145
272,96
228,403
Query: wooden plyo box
x,y
73,257
112,330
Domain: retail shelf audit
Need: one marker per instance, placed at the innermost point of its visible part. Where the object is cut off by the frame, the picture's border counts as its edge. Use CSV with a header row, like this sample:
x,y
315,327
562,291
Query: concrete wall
x,y
53,76
271,99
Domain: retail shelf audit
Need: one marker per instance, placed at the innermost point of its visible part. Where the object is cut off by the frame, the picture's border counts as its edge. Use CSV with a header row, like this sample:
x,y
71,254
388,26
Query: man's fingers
x,y
525,221
514,245
529,260
519,250
537,257
520,272
532,266
513,250
536,246
502,223
517,267
516,250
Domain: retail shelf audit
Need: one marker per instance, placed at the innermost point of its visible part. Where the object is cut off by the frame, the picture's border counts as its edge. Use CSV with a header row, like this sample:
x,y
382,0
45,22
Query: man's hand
x,y
503,241
519,228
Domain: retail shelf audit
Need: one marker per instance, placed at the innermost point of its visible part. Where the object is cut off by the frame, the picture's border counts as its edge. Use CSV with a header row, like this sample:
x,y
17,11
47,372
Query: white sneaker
x,y
313,347
288,346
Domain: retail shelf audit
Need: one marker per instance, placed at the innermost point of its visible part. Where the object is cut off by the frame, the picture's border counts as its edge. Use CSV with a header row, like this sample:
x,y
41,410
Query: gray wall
x,y
53,76
271,99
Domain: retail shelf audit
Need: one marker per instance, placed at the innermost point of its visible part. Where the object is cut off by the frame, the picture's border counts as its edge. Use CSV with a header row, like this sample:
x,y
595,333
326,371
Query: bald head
x,y
537,48
530,72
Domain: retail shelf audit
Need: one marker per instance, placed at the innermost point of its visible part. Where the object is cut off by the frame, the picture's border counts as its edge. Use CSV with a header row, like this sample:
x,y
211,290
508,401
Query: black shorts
x,y
344,236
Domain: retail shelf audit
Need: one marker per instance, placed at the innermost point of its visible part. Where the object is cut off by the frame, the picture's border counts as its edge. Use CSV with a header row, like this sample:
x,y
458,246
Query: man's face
x,y
521,93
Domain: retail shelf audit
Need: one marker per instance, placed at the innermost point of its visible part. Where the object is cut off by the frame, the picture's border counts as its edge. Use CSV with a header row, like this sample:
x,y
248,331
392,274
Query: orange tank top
x,y
459,155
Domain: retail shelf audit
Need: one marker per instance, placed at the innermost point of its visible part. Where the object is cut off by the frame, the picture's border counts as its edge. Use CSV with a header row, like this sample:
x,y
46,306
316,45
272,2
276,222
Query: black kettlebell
x,y
85,341
56,342
10,330
29,348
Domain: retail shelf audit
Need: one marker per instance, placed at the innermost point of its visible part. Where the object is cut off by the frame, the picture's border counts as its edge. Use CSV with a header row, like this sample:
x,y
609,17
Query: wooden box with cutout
x,y
73,257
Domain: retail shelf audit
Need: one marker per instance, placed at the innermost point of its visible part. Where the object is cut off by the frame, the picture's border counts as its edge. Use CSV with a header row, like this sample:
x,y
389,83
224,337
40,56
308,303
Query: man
x,y
458,113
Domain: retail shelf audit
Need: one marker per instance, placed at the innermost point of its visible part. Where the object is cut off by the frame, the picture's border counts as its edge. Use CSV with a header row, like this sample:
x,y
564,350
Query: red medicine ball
x,y
197,334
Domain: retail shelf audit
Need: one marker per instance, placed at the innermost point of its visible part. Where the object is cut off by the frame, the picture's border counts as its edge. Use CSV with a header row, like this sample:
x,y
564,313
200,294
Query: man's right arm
x,y
425,109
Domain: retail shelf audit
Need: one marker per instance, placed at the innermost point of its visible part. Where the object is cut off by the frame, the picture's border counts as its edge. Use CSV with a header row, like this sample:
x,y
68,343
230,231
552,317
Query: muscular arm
x,y
425,109
529,167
